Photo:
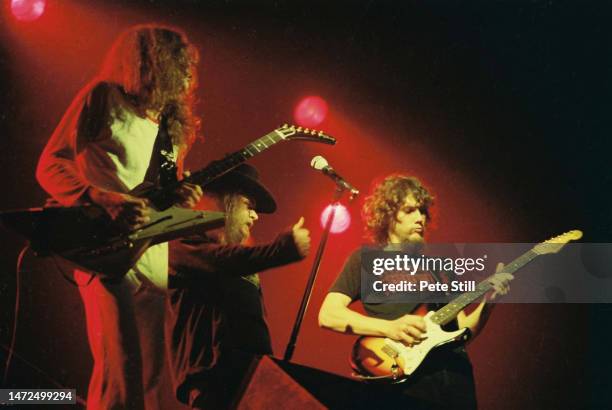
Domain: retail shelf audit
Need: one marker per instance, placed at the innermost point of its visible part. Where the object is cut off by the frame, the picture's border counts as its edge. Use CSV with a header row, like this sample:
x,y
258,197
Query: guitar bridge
x,y
390,351
393,353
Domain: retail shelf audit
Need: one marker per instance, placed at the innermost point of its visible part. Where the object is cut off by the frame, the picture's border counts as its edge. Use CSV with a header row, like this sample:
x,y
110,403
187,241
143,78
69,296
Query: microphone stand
x,y
313,272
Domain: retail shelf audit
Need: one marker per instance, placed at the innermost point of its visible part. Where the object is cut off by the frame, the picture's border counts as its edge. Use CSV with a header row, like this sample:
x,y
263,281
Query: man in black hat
x,y
215,315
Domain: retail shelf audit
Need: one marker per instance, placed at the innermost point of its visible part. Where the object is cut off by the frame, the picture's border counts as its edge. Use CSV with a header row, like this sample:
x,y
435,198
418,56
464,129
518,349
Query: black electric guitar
x,y
384,358
86,235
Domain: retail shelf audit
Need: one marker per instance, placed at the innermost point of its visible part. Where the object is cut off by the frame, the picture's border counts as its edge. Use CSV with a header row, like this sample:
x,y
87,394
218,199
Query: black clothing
x,y
445,378
215,307
349,283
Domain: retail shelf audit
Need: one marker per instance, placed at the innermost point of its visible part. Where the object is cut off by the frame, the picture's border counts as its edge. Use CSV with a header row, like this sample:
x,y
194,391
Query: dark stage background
x,y
501,107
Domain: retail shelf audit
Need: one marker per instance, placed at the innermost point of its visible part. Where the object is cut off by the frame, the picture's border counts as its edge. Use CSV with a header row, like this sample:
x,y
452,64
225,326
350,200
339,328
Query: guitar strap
x,y
436,275
162,170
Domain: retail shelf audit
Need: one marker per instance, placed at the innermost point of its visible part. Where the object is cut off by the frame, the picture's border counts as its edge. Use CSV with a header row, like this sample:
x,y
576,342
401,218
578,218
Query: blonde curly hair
x,y
387,198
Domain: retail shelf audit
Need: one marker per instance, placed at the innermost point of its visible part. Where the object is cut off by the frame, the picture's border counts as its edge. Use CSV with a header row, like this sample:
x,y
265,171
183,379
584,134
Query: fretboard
x,y
217,168
450,311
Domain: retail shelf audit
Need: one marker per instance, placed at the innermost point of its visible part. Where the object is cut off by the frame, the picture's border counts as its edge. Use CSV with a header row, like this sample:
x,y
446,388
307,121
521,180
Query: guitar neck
x,y
450,311
217,168
165,197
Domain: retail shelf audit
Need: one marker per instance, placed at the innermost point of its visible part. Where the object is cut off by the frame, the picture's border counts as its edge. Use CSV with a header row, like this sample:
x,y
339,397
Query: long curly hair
x,y
155,66
381,206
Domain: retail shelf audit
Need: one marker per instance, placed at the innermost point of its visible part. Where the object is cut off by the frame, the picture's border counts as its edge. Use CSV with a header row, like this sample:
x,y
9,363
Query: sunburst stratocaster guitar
x,y
87,237
381,357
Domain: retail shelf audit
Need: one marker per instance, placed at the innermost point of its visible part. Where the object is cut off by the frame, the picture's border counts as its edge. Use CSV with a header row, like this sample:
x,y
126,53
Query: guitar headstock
x,y
291,132
554,245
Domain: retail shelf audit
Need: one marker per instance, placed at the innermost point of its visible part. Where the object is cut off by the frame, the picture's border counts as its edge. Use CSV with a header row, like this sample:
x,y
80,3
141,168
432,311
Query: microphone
x,y
320,164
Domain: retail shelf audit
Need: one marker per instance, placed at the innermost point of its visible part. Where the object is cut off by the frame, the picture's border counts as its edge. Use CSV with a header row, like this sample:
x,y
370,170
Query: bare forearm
x,y
345,320
476,319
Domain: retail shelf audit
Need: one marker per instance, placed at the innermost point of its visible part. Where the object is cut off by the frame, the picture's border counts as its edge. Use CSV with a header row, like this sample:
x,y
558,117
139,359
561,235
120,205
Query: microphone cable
x,y
11,346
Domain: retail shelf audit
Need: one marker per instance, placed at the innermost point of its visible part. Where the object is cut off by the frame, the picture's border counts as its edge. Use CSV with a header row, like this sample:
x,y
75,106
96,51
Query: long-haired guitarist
x,y
109,141
397,212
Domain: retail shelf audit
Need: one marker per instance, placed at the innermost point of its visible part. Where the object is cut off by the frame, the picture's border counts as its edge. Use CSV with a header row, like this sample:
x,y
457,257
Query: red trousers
x,y
126,336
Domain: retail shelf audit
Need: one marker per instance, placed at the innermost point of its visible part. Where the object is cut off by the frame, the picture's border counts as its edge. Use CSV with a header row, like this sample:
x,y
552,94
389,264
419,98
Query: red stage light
x,y
28,10
342,219
311,111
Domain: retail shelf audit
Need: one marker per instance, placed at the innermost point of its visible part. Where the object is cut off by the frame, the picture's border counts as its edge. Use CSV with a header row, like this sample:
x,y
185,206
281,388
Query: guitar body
x,y
88,238
383,357
108,264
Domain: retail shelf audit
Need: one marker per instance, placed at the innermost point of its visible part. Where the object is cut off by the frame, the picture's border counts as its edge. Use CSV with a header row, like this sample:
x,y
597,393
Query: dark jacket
x,y
215,307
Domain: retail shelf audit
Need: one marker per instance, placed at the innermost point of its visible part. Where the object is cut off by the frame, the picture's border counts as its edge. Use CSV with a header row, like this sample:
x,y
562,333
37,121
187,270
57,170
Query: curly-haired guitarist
x,y
397,212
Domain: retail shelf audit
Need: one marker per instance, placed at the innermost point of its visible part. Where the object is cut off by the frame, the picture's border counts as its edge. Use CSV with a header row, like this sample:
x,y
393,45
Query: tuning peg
x,y
299,129
320,133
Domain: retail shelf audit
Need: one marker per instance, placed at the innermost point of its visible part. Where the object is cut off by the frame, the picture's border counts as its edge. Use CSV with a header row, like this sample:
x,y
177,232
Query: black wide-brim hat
x,y
244,179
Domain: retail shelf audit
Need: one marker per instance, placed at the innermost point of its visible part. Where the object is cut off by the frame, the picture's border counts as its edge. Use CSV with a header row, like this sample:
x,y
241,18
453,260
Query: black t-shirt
x,y
349,283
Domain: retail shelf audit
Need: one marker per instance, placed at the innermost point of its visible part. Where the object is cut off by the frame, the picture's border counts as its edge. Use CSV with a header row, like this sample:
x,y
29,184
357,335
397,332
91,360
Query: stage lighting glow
x,y
311,111
342,219
27,10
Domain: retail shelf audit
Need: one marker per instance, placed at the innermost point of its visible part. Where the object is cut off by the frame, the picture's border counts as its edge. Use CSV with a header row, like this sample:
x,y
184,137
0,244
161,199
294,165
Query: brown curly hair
x,y
155,66
381,206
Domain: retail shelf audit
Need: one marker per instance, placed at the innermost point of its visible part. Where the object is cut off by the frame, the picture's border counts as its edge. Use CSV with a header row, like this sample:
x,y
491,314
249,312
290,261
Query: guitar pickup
x,y
389,350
